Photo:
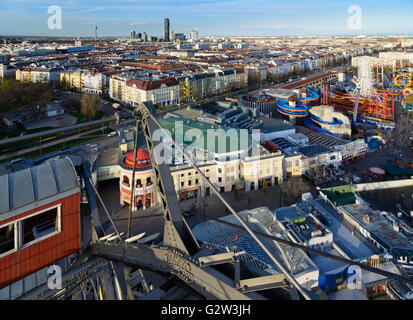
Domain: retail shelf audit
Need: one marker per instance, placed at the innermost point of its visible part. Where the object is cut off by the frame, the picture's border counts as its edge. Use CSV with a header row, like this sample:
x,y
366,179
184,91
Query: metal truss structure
x,y
102,270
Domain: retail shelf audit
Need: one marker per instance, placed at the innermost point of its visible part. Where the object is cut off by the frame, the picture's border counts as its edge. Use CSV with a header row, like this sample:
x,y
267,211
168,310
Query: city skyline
x,y
210,17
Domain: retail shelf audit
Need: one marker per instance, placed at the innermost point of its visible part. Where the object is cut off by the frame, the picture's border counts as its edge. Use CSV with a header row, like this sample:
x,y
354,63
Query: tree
x,y
90,105
293,188
71,103
64,84
15,95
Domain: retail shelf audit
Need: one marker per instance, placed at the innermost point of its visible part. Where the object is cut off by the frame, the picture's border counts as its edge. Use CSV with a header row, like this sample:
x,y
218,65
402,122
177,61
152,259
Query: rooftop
x,y
36,186
354,247
215,137
379,227
263,220
143,159
152,85
188,113
340,195
313,150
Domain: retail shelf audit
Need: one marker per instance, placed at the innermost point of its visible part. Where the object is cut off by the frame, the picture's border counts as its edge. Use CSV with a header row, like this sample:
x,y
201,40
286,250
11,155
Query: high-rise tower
x,y
194,35
96,32
166,29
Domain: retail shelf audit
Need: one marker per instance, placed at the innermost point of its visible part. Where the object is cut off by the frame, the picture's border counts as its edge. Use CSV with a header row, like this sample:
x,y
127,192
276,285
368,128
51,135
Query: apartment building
x,y
7,71
225,79
94,82
117,87
42,75
161,92
84,81
257,72
72,80
229,166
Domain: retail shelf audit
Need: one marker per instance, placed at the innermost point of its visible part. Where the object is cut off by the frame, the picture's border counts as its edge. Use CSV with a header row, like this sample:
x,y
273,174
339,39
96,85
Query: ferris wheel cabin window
x,y
8,243
40,226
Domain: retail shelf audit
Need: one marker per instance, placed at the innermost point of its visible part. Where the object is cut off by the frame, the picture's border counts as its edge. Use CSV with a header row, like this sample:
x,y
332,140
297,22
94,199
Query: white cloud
x,y
269,27
138,23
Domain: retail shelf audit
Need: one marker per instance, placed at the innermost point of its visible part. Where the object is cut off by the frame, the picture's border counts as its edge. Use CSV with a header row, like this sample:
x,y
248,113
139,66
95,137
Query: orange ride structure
x,y
378,89
379,105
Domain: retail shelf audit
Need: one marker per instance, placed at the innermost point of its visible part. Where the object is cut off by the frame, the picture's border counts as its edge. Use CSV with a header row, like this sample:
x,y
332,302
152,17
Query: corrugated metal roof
x,y
4,194
28,186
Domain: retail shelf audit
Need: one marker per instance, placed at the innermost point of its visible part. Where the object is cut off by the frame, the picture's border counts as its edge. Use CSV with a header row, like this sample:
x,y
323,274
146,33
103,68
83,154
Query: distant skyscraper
x,y
96,32
194,35
180,37
166,29
133,34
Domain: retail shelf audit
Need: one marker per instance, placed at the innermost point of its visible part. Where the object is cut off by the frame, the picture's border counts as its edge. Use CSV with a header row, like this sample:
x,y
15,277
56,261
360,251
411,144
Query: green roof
x,y
341,195
222,139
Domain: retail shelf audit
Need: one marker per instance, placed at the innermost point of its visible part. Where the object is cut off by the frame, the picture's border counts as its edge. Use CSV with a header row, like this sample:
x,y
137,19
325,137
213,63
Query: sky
x,y
210,17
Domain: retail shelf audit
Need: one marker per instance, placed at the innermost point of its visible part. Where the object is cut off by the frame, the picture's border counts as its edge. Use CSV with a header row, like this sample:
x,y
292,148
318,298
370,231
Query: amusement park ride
x,y
376,92
374,97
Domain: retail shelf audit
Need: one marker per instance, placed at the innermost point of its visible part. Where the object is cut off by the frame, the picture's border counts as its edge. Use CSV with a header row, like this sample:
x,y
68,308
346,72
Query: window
x,y
289,164
125,181
219,170
189,182
148,181
40,225
219,179
7,239
182,184
333,158
196,181
189,174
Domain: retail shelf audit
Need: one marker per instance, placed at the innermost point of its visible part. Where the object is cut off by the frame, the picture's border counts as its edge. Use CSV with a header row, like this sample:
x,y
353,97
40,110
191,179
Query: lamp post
x,y
281,194
132,200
